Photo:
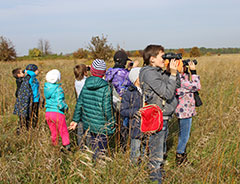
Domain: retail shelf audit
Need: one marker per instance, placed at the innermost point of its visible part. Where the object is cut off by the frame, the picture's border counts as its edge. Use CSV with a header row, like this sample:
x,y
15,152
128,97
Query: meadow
x,y
213,148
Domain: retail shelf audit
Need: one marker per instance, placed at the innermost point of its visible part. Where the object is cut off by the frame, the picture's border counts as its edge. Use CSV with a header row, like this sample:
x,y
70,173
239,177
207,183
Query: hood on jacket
x,y
49,89
93,83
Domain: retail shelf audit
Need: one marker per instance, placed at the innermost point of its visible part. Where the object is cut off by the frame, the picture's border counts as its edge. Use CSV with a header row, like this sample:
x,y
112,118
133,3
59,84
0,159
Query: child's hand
x,y
72,126
135,63
173,67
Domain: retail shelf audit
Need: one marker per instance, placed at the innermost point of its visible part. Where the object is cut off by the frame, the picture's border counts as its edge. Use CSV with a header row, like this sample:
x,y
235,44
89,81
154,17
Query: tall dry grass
x,y
213,148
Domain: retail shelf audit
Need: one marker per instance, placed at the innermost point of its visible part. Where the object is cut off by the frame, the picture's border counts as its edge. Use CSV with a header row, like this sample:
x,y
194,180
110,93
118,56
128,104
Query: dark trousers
x,y
23,122
99,144
34,114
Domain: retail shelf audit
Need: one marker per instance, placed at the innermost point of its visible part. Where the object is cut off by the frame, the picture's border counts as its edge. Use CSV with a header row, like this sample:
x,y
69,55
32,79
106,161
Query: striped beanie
x,y
98,68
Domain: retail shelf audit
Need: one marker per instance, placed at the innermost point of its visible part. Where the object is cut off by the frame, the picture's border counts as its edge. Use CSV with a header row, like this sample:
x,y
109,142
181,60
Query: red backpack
x,y
151,119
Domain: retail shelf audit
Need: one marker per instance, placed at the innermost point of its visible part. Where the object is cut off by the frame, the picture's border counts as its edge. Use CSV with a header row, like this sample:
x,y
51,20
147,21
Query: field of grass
x,y
213,148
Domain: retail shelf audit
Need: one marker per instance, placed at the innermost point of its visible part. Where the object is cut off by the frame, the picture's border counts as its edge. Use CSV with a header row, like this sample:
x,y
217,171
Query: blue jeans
x,y
136,150
157,148
184,134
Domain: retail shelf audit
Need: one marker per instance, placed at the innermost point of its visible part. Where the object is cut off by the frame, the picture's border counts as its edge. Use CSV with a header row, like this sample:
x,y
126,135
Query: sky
x,y
132,24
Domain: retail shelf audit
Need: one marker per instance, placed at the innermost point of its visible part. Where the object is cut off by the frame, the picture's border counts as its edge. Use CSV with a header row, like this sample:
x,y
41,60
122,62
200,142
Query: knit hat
x,y
32,67
53,76
121,57
134,74
98,68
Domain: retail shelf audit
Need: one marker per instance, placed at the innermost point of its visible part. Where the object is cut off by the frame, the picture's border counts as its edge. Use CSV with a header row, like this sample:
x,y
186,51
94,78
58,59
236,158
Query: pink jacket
x,y
186,106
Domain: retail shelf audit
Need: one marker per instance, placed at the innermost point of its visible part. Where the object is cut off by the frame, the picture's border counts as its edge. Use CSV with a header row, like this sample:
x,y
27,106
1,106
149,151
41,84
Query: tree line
x,y
97,48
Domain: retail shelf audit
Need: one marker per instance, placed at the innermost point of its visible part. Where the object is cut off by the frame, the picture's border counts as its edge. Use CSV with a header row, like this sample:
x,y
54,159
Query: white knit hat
x,y
134,74
53,76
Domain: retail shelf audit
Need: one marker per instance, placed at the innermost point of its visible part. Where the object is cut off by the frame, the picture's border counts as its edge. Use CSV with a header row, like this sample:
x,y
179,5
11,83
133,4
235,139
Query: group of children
x,y
27,96
95,110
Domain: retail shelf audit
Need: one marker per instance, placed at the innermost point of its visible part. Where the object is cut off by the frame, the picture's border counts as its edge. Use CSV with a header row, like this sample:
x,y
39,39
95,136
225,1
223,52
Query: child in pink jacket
x,y
186,108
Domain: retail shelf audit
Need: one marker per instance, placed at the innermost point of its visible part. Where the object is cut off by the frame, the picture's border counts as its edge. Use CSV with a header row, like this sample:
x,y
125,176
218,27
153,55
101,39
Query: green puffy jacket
x,y
94,107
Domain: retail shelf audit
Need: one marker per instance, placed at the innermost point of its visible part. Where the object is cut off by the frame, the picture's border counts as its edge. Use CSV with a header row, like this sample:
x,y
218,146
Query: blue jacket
x,y
55,100
35,85
131,103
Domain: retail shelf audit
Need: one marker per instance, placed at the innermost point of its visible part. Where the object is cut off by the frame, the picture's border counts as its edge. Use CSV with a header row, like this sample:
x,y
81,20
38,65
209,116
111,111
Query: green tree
x,y
99,48
195,52
35,52
7,50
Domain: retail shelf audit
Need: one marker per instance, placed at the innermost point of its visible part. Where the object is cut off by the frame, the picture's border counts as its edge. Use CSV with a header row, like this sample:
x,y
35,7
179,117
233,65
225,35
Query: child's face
x,y
20,74
36,72
137,83
158,60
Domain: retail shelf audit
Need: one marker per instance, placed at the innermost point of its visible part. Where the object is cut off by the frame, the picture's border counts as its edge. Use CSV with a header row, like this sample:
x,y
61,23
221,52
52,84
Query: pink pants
x,y
57,124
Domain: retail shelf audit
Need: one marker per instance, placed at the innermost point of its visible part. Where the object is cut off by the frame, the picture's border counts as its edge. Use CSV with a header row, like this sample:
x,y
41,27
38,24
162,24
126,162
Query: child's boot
x,y
66,149
181,158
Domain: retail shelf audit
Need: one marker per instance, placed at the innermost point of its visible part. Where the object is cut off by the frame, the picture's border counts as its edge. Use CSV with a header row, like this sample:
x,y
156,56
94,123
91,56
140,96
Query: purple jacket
x,y
119,78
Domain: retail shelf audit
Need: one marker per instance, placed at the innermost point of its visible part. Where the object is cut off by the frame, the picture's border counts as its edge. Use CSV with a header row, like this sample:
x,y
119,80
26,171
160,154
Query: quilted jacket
x,y
94,107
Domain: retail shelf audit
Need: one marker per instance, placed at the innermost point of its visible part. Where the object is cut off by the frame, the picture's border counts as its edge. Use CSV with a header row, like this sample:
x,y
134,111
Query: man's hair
x,y
151,51
79,71
15,72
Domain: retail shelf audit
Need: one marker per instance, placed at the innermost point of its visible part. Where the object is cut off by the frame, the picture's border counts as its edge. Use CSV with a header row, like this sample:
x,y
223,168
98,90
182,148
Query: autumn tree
x,y
182,51
7,50
137,54
195,52
100,49
80,53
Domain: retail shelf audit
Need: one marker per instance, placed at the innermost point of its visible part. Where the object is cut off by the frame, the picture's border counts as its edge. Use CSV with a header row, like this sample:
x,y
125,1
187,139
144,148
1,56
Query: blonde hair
x,y
79,71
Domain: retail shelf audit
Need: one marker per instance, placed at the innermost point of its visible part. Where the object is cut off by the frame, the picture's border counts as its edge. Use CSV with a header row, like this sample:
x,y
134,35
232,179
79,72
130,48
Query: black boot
x,y
181,158
66,149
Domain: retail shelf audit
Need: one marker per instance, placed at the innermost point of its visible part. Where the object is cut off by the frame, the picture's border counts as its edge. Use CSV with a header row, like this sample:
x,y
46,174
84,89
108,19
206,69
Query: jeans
x,y
184,134
157,148
136,150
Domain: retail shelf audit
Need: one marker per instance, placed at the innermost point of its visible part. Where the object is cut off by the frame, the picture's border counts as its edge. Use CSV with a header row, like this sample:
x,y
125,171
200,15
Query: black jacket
x,y
18,82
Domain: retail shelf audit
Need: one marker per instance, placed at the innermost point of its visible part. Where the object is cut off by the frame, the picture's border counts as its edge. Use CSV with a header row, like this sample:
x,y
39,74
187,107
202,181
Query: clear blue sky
x,y
133,24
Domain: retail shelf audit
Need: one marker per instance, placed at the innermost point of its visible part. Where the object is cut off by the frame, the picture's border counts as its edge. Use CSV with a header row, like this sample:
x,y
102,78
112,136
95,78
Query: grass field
x,y
213,147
